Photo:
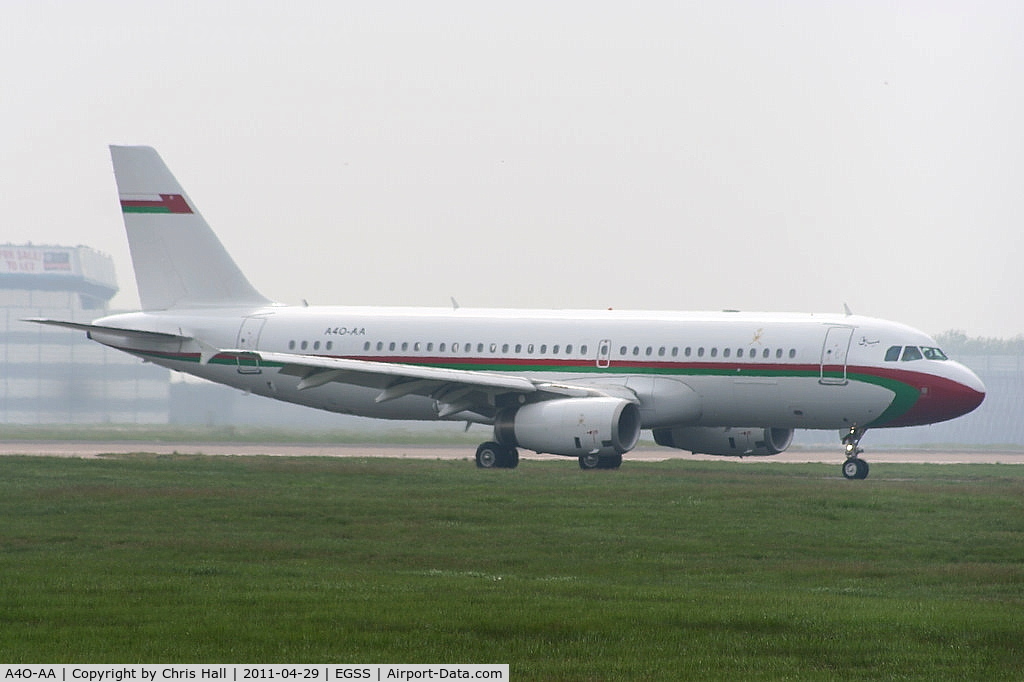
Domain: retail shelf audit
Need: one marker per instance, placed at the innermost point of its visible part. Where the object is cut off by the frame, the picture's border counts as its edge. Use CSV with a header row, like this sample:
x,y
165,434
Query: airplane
x,y
577,383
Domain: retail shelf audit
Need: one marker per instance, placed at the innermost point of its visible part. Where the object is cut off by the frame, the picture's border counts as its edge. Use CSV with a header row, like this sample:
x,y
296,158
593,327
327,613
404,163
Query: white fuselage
x,y
785,370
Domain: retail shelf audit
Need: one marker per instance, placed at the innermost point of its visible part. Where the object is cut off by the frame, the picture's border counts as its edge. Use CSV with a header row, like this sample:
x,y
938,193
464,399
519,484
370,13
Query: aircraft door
x,y
604,353
833,356
248,339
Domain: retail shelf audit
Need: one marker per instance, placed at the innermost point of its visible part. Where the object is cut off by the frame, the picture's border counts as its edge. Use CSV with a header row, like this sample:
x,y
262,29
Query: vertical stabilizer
x,y
178,260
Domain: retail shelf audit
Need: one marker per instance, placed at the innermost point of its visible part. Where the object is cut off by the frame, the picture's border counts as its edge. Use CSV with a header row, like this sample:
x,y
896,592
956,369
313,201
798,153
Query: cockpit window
x,y
911,353
893,354
933,353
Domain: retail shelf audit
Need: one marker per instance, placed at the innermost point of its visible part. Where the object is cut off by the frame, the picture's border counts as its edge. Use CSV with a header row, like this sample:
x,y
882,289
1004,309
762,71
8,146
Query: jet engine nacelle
x,y
572,426
735,441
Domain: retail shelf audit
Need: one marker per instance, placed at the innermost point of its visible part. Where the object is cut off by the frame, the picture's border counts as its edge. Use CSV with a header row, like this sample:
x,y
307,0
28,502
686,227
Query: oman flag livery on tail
x,y
163,203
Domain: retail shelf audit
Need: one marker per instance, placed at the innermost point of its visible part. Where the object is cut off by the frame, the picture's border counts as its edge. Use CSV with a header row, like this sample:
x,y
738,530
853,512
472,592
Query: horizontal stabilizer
x,y
132,339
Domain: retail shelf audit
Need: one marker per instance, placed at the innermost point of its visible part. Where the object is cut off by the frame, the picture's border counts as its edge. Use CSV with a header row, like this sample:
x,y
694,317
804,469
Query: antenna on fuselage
x,y
846,309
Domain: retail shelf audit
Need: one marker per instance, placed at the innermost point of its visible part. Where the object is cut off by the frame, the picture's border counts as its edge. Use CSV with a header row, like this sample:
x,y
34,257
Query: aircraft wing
x,y
456,390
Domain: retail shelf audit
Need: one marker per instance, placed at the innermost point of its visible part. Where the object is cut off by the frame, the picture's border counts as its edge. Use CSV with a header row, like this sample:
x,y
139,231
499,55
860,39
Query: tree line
x,y
957,342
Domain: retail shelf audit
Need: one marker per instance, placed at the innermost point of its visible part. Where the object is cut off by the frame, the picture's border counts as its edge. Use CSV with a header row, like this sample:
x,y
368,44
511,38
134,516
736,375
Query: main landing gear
x,y
600,462
492,455
854,467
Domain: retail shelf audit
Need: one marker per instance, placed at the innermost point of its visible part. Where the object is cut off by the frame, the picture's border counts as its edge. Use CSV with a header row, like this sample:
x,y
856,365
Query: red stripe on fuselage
x,y
938,399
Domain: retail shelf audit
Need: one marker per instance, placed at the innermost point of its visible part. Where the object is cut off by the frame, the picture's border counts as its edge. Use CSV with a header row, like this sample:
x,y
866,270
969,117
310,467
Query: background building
x,y
55,376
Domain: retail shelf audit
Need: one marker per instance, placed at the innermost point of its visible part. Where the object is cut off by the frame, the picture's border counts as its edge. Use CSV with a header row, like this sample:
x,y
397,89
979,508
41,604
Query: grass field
x,y
658,571
392,434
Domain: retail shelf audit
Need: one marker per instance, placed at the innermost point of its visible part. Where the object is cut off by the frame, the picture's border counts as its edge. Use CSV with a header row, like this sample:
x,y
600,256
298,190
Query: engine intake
x,y
732,440
572,426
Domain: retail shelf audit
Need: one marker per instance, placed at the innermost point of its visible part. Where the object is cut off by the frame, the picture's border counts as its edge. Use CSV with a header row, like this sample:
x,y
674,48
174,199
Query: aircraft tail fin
x,y
179,262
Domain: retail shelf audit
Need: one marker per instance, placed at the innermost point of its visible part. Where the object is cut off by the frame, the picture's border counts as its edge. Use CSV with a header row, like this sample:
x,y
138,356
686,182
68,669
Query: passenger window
x,y
291,345
304,345
529,349
519,348
543,348
792,353
316,345
661,352
649,351
583,349
405,345
714,352
479,348
568,349
766,354
622,350
911,353
494,348
687,353
430,346
330,345
739,352
554,350
416,346
893,354
778,353
504,348
726,353
442,347
675,351
700,352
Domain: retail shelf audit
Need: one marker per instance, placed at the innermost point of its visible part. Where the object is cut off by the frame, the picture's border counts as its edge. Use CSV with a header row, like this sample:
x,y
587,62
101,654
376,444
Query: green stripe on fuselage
x,y
904,395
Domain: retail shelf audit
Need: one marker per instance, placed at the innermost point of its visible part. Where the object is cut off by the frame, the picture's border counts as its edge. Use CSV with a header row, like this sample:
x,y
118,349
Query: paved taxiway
x,y
95,449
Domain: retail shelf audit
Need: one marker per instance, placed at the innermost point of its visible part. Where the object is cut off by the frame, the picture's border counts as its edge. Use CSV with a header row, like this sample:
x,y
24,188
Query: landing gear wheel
x,y
590,461
611,462
510,460
855,469
489,455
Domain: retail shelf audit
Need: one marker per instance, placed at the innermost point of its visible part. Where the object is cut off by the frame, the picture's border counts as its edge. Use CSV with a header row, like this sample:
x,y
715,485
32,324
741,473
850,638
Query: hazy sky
x,y
669,155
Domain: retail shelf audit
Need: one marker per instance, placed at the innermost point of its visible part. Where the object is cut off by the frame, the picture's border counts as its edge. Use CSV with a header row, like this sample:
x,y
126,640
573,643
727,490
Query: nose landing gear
x,y
854,467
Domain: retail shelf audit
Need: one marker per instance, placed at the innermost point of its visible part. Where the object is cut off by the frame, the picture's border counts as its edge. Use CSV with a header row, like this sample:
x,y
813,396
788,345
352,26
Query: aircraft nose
x,y
955,398
941,398
973,381
974,391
